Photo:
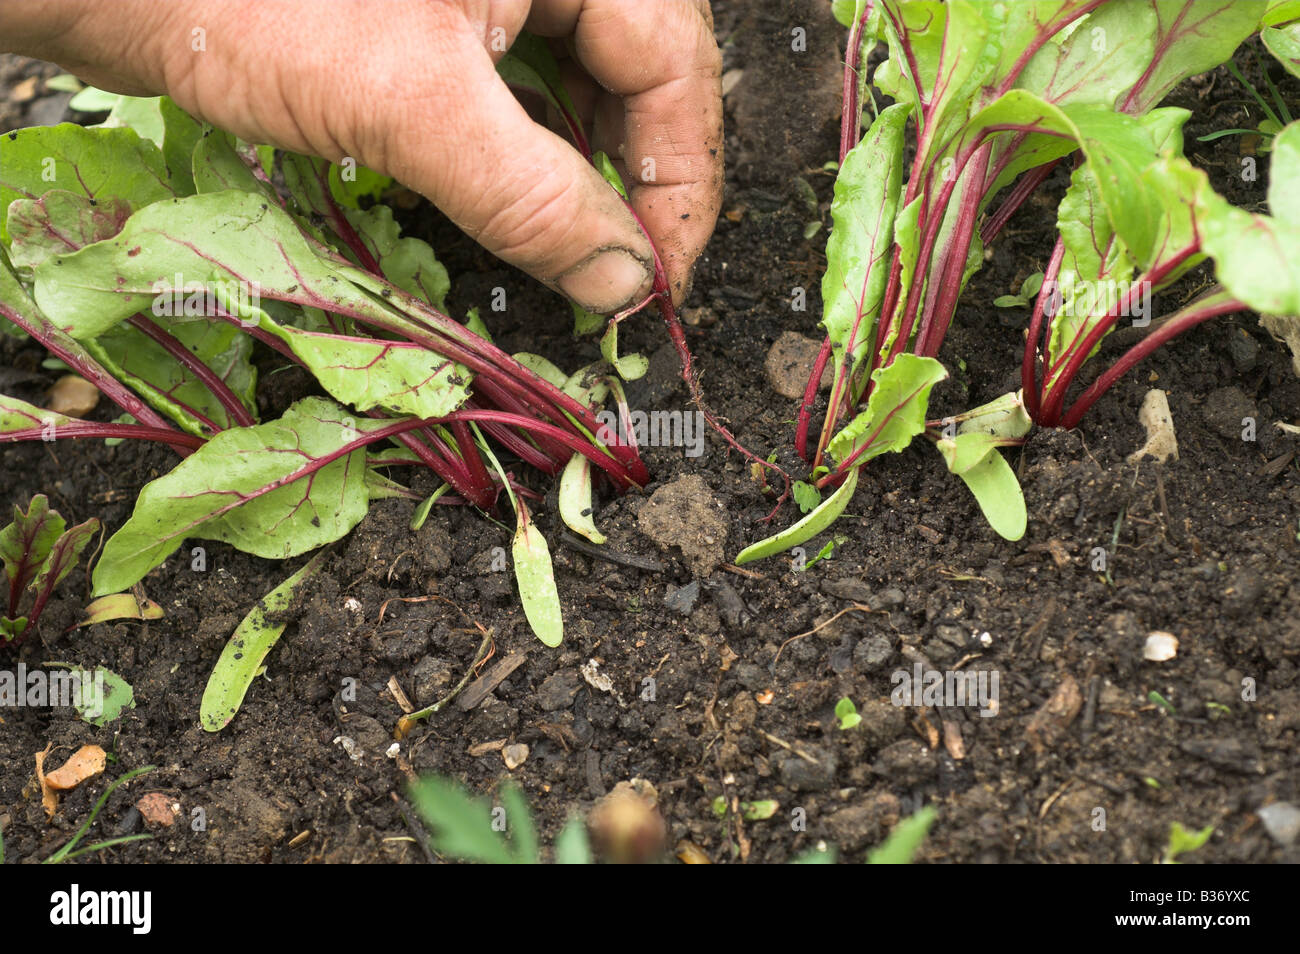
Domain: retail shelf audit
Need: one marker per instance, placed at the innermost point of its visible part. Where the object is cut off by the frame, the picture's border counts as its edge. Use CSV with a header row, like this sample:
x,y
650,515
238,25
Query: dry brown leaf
x,y
48,797
86,763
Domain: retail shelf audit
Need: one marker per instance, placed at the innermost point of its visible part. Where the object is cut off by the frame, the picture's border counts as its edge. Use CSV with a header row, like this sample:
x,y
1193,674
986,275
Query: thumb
x,y
520,190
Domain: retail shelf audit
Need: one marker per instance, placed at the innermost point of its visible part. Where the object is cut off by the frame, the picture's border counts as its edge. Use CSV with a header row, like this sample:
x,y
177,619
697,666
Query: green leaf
x,y
25,544
16,415
760,810
1099,61
1119,149
95,707
807,528
1190,38
1284,43
575,498
398,376
59,222
170,387
954,51
223,162
975,459
350,184
408,263
586,322
523,834
904,841
847,713
606,168
62,558
895,411
571,844
629,366
1255,254
862,239
823,854
217,240
461,824
1009,301
246,486
1181,840
806,495
94,100
544,368
242,657
529,65
98,164
536,579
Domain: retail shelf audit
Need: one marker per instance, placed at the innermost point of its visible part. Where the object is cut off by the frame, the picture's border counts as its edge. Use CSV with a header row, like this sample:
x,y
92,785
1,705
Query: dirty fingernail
x,y
611,279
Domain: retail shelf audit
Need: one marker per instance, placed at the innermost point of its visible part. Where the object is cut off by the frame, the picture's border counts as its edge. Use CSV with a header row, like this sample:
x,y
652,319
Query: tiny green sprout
x,y
1217,709
1181,840
1028,289
1162,702
825,552
811,229
1151,782
719,806
847,713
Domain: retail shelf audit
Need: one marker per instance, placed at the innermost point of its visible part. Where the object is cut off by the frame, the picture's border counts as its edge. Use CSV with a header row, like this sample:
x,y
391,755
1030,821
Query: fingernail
x,y
607,281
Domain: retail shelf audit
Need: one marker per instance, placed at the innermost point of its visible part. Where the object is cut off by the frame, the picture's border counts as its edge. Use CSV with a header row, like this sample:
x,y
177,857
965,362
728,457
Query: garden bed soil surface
x,y
1203,547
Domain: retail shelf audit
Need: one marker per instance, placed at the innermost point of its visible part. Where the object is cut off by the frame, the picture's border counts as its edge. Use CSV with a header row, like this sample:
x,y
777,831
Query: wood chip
x,y
1056,714
482,687
86,763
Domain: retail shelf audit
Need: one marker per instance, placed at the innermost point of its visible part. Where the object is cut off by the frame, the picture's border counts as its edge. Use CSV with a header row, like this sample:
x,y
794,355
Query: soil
x,y
729,688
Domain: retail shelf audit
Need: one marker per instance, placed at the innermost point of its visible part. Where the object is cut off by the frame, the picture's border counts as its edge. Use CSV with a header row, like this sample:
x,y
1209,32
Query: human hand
x,y
409,88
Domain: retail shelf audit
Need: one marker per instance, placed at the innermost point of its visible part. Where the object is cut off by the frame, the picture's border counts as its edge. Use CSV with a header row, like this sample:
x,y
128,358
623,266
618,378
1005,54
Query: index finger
x,y
662,59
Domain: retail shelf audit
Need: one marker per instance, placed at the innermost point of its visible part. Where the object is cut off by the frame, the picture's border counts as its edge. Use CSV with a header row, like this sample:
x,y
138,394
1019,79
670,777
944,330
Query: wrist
x,y
114,44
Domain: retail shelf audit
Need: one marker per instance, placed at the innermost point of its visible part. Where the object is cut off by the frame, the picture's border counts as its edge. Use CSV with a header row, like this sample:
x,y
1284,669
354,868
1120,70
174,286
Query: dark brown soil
x,y
1204,547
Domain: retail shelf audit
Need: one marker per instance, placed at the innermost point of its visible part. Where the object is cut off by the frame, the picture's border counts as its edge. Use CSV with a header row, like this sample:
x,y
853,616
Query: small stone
x,y
800,775
514,755
848,588
701,317
790,362
1160,647
891,598
682,599
558,689
1225,409
25,91
1282,821
158,809
73,396
872,653
1244,350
